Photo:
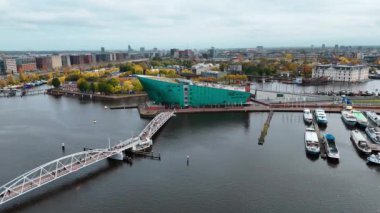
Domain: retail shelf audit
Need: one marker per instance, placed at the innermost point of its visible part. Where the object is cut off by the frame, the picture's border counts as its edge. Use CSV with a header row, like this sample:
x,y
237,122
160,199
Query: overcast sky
x,y
90,24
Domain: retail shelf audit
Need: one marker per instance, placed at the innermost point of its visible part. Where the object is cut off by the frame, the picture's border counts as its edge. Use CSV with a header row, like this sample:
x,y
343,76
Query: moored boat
x,y
373,133
361,120
330,147
348,118
360,142
307,116
375,118
312,145
374,158
321,117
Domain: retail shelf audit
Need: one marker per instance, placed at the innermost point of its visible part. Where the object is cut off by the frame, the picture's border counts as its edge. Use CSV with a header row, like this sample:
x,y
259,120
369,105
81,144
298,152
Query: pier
x,y
320,138
264,131
66,165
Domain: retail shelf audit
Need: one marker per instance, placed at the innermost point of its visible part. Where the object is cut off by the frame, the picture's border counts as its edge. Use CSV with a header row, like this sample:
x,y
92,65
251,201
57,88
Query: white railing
x,y
63,166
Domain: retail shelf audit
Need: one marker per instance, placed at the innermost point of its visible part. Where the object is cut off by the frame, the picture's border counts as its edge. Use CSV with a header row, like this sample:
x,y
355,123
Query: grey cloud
x,y
199,23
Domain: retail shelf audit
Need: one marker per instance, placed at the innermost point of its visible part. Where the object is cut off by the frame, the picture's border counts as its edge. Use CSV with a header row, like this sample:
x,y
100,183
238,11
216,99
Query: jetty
x,y
320,138
264,131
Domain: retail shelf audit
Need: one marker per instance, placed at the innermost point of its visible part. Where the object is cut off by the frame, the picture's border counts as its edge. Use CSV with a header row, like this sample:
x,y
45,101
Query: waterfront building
x,y
185,93
75,59
201,67
26,64
44,63
104,57
102,50
337,72
213,74
56,61
8,66
66,61
235,69
121,56
87,59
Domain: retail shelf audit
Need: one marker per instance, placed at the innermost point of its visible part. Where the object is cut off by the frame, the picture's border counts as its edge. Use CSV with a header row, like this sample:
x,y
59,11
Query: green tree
x,y
83,85
126,67
56,83
92,87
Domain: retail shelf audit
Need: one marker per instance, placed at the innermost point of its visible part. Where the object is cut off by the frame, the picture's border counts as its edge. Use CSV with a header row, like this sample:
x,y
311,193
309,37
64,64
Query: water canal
x,y
228,170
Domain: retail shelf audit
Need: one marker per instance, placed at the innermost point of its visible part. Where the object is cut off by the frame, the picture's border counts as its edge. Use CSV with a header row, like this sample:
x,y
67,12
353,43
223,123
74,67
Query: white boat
x,y
321,116
330,146
362,121
348,118
307,116
373,133
374,158
360,142
375,118
312,145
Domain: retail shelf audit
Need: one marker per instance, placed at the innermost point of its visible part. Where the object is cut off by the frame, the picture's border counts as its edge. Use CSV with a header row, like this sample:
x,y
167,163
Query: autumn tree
x,y
10,80
3,83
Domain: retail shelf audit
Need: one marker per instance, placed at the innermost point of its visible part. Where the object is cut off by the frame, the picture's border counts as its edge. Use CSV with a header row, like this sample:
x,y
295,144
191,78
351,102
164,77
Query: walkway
x,y
63,166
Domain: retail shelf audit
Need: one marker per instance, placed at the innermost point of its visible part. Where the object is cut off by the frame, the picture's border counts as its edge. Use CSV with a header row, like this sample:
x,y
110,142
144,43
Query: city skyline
x,y
89,24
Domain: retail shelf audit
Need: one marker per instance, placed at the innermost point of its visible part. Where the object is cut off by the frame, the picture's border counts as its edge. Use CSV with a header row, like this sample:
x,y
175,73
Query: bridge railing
x,y
51,171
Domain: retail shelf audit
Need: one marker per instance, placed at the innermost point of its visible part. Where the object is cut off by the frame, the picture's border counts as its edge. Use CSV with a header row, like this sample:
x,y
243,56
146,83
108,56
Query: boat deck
x,y
374,147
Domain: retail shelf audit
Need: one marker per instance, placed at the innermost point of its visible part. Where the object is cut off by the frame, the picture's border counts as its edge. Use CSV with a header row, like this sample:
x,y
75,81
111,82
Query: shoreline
x,y
151,112
59,92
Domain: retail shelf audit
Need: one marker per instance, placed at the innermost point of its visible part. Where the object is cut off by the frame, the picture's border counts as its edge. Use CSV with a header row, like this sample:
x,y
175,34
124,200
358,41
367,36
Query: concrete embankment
x,y
88,96
329,108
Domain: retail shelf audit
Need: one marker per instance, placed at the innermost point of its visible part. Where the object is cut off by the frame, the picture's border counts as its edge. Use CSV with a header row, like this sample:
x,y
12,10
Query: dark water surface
x,y
228,171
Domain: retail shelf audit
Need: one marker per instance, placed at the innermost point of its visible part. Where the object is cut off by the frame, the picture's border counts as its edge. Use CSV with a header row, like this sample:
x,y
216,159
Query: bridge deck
x,y
61,167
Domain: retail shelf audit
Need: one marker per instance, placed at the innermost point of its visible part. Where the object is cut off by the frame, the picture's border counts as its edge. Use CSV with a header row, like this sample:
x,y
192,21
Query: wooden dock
x,y
143,154
320,138
264,131
124,106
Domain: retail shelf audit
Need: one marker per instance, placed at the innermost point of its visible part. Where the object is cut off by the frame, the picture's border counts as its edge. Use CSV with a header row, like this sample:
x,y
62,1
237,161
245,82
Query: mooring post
x,y
159,156
63,147
188,160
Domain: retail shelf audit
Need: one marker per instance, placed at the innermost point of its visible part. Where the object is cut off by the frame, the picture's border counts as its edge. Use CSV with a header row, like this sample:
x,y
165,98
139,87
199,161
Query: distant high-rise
x,y
212,52
102,49
155,49
323,46
142,49
173,52
129,48
260,48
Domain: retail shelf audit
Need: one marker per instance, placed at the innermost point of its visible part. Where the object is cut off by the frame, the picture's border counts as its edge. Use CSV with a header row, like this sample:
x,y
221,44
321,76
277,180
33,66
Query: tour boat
x,y
321,116
311,142
375,118
361,120
307,116
348,118
373,133
360,142
330,146
374,158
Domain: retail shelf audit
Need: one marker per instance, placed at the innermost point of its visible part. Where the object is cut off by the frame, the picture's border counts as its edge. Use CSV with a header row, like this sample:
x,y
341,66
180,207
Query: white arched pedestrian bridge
x,y
63,166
